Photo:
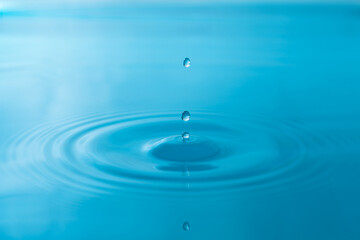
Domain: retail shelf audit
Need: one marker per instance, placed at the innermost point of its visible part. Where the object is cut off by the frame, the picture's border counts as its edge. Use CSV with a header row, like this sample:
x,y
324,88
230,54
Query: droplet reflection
x,y
186,226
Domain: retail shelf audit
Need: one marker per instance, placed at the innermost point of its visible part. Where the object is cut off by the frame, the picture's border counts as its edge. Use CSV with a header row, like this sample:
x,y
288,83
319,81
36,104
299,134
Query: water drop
x,y
186,226
186,62
186,136
185,116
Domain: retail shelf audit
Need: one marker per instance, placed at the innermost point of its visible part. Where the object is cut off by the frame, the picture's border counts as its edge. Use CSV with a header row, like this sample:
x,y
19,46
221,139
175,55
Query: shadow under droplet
x,y
190,168
196,149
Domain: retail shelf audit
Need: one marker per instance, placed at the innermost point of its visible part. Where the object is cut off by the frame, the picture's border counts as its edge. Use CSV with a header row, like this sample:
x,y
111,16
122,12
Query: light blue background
x,y
286,61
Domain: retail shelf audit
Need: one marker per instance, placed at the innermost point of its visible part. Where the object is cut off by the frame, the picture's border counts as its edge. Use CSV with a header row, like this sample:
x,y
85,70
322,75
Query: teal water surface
x,y
95,143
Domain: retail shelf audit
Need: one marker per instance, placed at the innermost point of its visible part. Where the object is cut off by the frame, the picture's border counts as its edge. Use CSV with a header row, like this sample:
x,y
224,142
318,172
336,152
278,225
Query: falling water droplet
x,y
185,116
186,226
186,62
186,136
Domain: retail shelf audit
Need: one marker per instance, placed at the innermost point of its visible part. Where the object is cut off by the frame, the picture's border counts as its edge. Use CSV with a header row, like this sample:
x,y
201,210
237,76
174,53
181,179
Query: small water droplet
x,y
186,136
186,62
185,116
186,226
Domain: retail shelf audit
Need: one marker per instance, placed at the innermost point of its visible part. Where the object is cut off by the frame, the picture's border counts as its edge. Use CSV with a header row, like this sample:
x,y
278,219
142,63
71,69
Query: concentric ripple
x,y
146,151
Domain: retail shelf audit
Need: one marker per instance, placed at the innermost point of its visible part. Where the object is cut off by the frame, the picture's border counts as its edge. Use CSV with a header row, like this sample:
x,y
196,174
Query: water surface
x,y
91,103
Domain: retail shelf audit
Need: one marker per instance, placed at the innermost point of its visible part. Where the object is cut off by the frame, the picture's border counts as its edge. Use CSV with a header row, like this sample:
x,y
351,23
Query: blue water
x,y
93,145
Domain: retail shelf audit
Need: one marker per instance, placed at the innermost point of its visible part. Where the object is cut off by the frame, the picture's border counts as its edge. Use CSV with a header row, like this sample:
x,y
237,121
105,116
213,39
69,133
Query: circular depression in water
x,y
147,151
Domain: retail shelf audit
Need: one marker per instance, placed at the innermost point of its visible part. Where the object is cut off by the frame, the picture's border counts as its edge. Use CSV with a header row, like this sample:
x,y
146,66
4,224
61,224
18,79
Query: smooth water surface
x,y
108,132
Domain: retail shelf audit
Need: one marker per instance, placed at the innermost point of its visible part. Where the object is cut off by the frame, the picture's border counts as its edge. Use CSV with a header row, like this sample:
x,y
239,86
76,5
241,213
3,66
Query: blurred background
x,y
281,59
